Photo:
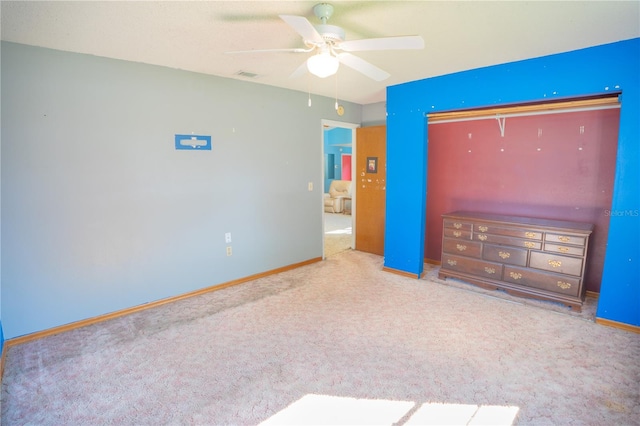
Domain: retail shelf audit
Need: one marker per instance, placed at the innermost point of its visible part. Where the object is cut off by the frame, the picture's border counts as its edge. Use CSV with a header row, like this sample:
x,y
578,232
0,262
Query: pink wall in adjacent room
x,y
346,166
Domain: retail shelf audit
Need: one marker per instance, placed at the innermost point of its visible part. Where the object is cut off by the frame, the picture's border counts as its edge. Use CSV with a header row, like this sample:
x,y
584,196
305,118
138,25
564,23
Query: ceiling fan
x,y
330,48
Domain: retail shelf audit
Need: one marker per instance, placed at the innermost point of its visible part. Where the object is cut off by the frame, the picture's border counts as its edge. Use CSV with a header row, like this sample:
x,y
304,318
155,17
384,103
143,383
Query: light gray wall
x,y
100,212
374,114
1,326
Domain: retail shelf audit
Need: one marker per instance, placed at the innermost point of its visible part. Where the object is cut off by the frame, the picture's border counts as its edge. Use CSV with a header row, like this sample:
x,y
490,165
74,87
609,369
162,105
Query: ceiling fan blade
x,y
296,50
300,71
303,27
386,43
363,66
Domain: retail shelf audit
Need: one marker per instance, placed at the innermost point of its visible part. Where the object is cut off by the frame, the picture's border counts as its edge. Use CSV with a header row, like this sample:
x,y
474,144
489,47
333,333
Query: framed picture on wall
x,y
372,164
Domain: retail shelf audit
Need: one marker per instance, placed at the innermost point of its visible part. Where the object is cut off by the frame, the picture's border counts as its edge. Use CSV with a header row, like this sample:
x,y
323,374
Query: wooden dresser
x,y
530,257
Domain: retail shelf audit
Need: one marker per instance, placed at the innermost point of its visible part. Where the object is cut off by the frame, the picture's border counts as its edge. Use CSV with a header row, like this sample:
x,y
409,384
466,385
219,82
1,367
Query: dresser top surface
x,y
522,220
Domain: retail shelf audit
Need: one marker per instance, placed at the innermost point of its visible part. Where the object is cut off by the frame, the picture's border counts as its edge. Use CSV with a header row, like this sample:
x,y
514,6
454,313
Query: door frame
x,y
353,126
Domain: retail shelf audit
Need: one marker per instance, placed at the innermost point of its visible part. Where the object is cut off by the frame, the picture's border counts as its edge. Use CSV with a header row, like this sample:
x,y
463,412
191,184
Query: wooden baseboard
x,y
4,350
432,262
620,325
592,294
403,273
134,309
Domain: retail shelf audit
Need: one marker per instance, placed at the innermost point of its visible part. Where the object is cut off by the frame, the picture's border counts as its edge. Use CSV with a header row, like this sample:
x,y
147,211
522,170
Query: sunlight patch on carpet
x,y
335,410
339,231
463,414
314,409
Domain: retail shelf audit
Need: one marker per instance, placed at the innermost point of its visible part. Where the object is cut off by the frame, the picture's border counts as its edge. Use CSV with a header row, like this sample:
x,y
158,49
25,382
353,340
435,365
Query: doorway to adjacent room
x,y
338,157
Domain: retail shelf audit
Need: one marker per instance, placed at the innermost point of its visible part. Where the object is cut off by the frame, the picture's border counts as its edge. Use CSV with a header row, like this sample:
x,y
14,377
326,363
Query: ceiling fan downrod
x,y
323,11
330,33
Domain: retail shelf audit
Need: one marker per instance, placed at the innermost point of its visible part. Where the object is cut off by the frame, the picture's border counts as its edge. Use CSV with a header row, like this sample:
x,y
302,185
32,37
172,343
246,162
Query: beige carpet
x,y
336,342
338,235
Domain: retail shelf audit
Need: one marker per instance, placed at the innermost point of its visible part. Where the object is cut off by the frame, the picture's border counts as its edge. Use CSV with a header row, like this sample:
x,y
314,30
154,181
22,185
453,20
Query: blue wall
x,y
596,70
334,139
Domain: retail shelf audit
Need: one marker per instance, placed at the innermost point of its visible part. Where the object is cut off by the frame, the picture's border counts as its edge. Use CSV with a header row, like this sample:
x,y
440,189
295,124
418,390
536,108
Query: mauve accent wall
x,y
552,166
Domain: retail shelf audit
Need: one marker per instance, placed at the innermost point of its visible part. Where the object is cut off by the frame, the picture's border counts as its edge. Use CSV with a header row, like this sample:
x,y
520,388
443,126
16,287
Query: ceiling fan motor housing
x,y
331,33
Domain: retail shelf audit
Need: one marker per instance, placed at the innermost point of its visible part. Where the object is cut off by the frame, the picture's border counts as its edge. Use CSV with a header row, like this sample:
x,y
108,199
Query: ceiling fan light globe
x,y
323,65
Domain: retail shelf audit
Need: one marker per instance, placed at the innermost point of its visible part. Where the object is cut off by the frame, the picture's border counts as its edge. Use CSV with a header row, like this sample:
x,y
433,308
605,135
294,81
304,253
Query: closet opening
x,y
549,160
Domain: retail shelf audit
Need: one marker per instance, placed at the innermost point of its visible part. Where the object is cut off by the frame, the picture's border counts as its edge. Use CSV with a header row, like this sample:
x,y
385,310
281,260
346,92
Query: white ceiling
x,y
194,35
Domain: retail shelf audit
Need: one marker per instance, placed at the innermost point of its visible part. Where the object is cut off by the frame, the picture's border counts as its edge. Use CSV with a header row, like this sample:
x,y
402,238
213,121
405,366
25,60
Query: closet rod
x,y
524,114
586,104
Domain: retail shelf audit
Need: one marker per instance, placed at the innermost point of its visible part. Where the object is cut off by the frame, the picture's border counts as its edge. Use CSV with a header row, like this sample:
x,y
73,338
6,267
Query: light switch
x,y
227,237
310,186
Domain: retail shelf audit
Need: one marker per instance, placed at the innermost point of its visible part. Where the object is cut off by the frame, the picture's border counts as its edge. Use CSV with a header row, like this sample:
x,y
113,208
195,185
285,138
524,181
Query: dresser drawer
x,y
542,280
464,248
509,241
457,233
565,239
485,228
563,249
556,263
472,266
457,224
505,254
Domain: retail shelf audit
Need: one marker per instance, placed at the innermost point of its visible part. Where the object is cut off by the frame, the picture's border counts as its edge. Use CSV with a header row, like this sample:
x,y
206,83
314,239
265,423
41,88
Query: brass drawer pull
x,y
489,270
504,254
457,225
483,228
564,239
515,275
457,234
452,262
482,237
529,244
461,247
530,234
555,263
564,285
563,249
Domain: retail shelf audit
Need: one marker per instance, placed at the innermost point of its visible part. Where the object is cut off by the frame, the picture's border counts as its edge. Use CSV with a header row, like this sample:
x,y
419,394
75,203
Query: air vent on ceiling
x,y
247,74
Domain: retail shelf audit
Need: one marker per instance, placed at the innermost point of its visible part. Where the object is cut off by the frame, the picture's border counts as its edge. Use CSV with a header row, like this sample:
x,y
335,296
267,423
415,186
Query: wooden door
x,y
370,184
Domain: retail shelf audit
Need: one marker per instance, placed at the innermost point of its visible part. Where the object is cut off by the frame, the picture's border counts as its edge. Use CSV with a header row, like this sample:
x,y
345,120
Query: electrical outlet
x,y
229,251
227,237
